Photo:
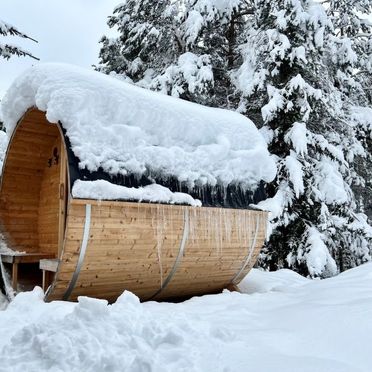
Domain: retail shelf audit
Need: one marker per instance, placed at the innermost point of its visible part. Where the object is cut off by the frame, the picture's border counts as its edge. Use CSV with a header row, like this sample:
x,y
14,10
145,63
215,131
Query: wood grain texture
x,y
48,221
29,193
28,186
133,246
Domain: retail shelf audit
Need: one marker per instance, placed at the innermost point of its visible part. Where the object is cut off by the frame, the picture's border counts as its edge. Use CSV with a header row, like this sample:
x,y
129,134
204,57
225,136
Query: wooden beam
x,y
15,276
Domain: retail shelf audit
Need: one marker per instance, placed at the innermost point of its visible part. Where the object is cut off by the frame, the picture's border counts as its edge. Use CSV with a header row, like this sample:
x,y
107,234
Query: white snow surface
x,y
104,190
126,129
317,257
295,172
3,147
297,135
283,322
330,183
362,116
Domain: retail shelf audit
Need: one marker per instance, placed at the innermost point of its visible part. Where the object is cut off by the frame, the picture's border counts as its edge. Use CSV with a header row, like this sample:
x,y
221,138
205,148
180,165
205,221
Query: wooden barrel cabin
x,y
108,187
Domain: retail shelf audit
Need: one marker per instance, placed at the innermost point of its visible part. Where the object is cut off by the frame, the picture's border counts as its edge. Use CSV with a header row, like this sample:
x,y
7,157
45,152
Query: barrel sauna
x,y
74,246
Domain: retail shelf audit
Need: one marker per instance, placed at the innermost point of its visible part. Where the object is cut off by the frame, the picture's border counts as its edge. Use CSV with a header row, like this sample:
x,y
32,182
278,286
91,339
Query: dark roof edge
x,y
231,196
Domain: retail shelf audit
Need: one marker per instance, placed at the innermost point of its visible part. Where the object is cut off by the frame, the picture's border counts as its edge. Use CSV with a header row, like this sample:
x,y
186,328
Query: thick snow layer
x,y
126,129
317,257
190,69
284,323
275,206
297,135
330,182
103,190
362,116
295,172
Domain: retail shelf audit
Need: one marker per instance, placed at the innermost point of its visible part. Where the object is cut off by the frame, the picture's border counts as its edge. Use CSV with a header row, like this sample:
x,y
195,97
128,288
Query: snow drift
x,y
286,323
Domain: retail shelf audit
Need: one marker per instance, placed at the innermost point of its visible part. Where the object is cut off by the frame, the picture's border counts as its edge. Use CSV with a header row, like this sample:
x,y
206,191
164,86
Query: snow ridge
x,y
285,323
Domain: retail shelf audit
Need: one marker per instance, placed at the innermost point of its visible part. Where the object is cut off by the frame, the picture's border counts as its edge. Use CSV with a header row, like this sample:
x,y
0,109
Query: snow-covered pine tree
x,y
6,49
196,54
353,44
351,56
214,30
185,48
315,228
147,40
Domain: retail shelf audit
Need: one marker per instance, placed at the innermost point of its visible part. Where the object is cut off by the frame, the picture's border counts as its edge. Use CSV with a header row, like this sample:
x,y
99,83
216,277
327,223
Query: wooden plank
x,y
24,258
49,265
15,276
109,268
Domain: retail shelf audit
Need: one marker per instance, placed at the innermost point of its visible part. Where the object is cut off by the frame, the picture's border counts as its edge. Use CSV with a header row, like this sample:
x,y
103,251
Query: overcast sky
x,y
67,31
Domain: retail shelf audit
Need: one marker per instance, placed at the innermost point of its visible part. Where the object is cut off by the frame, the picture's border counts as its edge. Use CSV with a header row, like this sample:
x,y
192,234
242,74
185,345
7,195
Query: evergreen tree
x,y
352,57
315,226
350,20
7,50
351,53
147,40
185,48
284,65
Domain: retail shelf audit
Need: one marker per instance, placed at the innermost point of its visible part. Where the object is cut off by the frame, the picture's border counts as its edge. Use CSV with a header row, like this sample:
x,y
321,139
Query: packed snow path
x,y
283,323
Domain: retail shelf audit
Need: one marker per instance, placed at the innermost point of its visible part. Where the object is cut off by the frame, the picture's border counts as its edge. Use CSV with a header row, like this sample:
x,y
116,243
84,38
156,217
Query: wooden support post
x,y
15,276
47,279
44,280
48,267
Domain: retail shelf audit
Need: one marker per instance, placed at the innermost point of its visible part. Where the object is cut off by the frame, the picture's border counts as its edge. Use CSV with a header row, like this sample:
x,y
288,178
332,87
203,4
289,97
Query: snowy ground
x,y
283,323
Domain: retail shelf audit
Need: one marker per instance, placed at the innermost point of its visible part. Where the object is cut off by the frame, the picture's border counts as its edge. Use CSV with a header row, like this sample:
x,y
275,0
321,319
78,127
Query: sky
x,y
67,31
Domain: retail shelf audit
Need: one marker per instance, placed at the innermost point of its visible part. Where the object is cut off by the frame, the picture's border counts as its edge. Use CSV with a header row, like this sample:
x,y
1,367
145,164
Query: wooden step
x,y
49,265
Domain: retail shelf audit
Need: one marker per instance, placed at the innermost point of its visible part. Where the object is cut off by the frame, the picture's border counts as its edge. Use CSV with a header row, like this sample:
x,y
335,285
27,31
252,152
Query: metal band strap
x,y
84,244
186,229
249,256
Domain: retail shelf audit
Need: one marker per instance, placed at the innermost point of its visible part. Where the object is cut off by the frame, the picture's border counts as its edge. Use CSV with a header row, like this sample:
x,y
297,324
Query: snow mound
x,y
259,281
125,129
303,326
103,190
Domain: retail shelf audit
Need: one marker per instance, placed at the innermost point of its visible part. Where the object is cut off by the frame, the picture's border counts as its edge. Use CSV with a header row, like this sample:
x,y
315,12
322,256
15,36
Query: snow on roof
x,y
103,190
124,129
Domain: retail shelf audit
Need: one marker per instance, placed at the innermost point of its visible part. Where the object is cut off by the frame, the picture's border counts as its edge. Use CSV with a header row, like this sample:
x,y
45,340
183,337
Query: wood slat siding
x,y
133,246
